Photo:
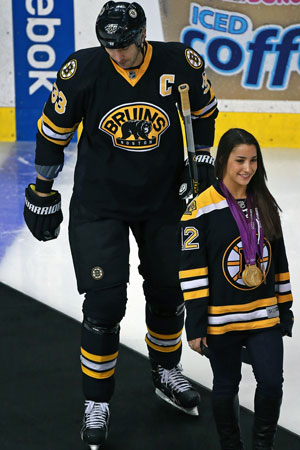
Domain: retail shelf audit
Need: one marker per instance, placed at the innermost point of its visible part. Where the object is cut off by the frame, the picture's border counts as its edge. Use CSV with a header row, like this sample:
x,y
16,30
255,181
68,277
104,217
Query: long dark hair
x,y
267,206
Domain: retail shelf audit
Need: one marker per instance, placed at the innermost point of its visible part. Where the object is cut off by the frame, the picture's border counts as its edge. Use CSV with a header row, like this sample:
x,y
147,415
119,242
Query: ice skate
x,y
95,424
174,388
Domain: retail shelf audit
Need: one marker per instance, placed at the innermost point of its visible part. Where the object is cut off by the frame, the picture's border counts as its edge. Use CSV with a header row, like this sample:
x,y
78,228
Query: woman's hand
x,y
196,344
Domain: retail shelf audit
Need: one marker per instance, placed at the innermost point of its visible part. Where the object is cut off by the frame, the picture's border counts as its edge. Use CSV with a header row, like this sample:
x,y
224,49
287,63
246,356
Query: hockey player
x,y
236,286
127,177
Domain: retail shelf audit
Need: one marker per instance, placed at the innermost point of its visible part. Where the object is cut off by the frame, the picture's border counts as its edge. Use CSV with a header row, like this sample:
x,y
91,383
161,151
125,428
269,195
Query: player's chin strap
x,y
143,48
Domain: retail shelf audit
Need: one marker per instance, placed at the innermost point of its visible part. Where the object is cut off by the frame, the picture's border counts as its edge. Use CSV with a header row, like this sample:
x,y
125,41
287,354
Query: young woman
x,y
235,280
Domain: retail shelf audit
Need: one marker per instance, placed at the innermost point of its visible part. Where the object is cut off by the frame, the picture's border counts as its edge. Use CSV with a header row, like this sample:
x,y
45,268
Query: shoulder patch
x,y
68,70
206,202
193,58
190,208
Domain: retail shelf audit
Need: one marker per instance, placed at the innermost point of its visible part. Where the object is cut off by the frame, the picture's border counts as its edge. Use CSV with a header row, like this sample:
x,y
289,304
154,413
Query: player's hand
x,y
206,171
42,215
199,345
286,328
286,322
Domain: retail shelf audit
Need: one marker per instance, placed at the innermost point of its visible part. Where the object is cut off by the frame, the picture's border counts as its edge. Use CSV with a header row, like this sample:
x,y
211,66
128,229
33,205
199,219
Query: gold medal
x,y
252,275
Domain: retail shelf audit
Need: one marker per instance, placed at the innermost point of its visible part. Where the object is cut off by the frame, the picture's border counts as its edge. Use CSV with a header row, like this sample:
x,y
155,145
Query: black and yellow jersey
x,y
130,153
212,261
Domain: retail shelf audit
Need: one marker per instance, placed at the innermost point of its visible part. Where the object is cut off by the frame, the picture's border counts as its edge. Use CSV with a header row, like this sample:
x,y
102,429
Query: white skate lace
x,y
174,378
96,414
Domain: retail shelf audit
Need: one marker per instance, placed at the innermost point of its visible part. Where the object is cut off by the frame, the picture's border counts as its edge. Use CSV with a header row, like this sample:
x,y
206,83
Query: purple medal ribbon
x,y
247,227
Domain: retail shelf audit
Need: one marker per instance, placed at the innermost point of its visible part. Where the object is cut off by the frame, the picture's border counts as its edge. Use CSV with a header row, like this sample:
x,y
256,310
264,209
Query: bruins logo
x,y
97,273
68,70
233,263
135,127
193,58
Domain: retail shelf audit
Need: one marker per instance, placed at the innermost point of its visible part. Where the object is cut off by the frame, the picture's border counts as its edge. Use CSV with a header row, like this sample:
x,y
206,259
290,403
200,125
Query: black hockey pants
x,y
100,250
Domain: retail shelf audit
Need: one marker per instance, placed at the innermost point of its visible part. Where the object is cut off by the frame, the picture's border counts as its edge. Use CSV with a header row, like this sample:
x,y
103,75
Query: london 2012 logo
x,y
135,127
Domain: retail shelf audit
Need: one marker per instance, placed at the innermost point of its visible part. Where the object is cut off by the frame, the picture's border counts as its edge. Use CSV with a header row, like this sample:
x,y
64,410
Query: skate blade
x,y
191,411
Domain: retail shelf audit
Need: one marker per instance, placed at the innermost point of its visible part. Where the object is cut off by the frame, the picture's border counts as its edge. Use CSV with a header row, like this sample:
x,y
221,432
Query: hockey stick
x,y
188,136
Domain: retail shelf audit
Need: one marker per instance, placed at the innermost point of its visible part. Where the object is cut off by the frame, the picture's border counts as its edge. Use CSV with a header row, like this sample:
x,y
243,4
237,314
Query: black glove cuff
x,y
43,186
42,205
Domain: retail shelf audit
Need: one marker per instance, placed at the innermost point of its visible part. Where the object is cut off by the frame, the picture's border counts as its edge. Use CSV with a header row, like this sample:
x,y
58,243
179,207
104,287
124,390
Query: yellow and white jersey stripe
x,y
195,284
260,313
53,133
283,287
208,110
209,201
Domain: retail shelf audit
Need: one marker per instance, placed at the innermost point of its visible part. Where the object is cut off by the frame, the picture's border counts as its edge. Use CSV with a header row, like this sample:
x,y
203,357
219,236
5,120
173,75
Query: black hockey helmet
x,y
120,24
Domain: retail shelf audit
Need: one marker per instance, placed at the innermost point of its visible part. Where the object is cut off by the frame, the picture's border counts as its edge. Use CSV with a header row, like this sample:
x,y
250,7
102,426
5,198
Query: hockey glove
x,y
185,190
42,215
206,171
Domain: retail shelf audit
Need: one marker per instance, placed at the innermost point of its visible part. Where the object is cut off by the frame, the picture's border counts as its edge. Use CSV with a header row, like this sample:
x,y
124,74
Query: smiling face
x,y
241,166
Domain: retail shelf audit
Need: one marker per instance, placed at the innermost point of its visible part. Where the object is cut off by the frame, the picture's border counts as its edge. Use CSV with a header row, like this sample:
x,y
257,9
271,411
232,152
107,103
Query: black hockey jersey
x,y
216,298
130,153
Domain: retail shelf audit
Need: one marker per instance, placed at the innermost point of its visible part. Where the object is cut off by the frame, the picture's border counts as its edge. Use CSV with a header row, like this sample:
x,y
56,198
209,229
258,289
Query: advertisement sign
x,y
251,47
43,38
